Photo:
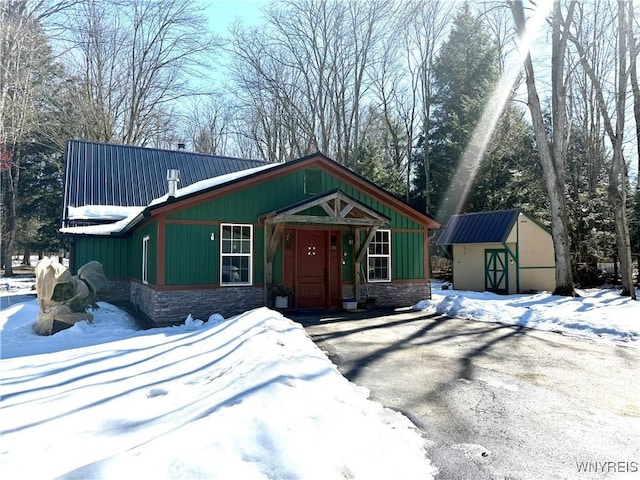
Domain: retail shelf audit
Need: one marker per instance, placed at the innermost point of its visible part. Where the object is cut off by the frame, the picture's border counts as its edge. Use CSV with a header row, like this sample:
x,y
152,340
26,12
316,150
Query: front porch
x,y
322,242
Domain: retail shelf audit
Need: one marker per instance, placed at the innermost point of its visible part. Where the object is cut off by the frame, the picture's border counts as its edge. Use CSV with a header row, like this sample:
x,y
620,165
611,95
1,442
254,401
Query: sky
x,y
246,397
223,13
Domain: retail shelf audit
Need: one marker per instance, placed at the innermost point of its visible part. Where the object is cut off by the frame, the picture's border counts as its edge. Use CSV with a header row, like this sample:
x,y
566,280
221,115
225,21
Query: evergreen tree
x,y
465,74
30,135
25,64
510,175
40,191
377,167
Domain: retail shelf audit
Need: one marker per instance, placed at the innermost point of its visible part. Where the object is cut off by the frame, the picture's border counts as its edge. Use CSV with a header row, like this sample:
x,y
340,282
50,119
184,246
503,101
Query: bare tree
x,y
614,125
268,94
136,60
24,64
209,124
552,152
634,51
304,78
403,75
426,33
498,21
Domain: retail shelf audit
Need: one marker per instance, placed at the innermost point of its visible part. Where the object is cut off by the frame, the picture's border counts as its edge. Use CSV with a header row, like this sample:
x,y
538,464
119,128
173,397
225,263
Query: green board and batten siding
x,y
246,205
150,229
112,252
403,264
120,256
192,258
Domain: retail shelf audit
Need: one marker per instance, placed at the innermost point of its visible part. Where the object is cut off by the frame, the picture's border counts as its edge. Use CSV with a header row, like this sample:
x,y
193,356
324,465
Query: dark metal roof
x,y
122,175
483,227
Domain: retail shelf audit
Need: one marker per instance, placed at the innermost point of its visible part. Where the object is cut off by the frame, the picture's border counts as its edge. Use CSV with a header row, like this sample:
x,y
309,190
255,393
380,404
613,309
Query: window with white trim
x,y
145,259
236,245
379,257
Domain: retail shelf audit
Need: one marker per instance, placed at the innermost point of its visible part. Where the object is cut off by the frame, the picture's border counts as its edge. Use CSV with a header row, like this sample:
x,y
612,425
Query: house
x,y
505,251
236,228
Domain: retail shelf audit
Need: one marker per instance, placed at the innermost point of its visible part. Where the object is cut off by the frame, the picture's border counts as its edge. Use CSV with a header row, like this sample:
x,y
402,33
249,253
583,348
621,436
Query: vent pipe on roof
x,y
173,177
181,146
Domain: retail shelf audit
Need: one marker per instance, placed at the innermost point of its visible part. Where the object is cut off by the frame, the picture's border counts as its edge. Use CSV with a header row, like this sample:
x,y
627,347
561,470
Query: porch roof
x,y
341,209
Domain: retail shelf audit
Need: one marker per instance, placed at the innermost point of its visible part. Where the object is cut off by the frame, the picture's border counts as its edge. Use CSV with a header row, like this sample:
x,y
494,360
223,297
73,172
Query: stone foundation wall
x,y
168,306
115,291
396,294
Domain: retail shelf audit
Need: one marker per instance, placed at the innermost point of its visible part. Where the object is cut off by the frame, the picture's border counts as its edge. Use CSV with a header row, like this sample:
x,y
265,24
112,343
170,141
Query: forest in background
x,y
434,100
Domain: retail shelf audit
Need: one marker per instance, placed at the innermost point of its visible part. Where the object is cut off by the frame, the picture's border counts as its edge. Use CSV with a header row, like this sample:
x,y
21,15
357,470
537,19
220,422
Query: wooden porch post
x,y
356,262
272,236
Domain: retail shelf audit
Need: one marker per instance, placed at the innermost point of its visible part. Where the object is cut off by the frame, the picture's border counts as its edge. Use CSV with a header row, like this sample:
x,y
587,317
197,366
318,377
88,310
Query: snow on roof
x,y
100,212
107,228
212,182
133,213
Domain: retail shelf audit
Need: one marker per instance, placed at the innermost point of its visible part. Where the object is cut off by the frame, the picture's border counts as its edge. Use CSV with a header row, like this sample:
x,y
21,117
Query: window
x,y
312,182
145,259
235,254
379,257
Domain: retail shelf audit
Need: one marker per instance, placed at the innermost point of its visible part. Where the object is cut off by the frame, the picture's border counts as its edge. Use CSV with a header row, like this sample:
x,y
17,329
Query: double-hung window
x,y
236,244
145,259
379,257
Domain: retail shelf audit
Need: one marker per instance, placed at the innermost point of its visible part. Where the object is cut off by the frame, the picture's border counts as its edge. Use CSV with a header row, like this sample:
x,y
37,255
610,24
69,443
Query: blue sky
x,y
223,13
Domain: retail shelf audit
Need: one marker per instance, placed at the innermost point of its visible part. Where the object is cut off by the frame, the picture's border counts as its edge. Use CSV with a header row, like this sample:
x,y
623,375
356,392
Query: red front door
x,y
311,281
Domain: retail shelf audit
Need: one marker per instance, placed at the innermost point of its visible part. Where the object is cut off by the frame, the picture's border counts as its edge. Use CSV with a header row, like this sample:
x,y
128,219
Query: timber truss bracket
x,y
340,209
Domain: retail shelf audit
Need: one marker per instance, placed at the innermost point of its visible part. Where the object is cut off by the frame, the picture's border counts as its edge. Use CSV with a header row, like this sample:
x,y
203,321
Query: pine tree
x,y
465,74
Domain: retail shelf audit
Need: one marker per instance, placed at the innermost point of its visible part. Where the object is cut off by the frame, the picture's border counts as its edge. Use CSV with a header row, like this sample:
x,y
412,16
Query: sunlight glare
x,y
463,178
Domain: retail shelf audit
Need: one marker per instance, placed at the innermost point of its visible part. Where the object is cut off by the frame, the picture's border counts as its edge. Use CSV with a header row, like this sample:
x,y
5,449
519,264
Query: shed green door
x,y
496,272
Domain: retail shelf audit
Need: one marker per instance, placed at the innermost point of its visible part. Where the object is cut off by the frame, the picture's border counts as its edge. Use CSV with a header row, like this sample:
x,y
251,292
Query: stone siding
x,y
171,306
396,294
116,291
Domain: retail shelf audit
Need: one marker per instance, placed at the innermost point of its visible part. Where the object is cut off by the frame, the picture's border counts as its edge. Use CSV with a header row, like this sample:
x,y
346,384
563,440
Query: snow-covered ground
x,y
600,314
250,397
245,397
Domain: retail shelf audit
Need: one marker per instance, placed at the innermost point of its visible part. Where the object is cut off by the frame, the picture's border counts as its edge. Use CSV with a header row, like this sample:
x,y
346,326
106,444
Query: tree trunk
x,y
618,176
10,215
618,198
633,72
551,156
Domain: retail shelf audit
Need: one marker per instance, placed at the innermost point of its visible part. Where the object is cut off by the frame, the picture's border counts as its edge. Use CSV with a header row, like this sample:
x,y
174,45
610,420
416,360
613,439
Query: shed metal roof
x,y
123,175
483,227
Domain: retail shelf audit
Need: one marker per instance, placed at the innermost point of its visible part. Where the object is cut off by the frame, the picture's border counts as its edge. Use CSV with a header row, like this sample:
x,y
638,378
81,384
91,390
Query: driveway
x,y
494,401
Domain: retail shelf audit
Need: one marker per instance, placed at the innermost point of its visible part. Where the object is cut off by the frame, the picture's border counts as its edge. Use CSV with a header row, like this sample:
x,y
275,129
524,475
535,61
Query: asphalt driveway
x,y
494,401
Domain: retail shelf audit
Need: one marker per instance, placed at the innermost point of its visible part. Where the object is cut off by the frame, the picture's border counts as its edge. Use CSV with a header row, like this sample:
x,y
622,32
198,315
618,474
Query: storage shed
x,y
181,232
504,251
